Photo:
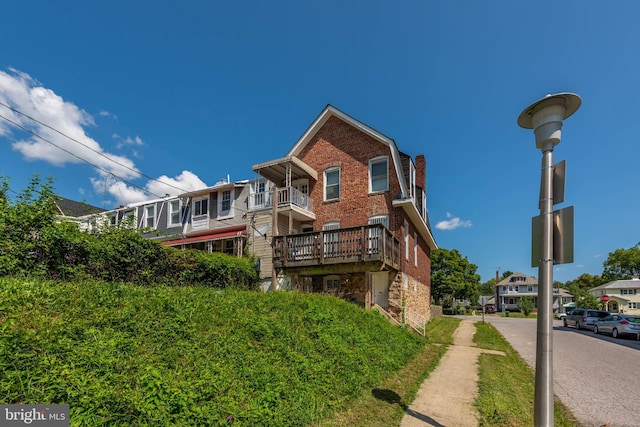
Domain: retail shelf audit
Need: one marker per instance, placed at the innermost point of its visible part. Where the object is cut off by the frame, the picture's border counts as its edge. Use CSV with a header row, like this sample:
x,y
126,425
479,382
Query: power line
x,y
78,157
84,145
239,209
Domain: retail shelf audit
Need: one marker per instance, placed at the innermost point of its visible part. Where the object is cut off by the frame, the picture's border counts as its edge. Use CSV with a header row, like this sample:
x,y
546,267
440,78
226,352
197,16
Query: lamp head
x,y
545,117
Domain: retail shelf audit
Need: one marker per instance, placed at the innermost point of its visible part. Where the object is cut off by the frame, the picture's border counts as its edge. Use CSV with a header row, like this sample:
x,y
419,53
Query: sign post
x,y
545,117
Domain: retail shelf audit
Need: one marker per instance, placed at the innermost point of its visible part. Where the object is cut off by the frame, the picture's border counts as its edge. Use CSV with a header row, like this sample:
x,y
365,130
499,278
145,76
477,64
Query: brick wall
x,y
338,144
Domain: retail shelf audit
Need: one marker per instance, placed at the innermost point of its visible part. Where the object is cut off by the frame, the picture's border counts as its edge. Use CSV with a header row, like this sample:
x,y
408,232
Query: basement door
x,y
380,289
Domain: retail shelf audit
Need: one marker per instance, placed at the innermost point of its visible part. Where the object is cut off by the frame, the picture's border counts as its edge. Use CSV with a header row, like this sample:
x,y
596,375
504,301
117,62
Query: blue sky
x,y
194,91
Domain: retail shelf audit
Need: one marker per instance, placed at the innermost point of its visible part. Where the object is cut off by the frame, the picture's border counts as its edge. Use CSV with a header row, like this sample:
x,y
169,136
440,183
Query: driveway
x,y
594,375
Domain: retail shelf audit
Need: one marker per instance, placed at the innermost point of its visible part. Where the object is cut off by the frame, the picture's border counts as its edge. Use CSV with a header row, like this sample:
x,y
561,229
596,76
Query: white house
x,y
620,296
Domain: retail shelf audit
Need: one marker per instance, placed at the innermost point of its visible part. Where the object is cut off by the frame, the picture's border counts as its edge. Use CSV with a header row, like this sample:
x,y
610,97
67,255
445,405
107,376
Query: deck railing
x,y
344,245
286,195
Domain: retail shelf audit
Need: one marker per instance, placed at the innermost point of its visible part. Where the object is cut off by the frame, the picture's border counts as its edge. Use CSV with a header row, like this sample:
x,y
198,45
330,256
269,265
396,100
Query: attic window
x,y
517,279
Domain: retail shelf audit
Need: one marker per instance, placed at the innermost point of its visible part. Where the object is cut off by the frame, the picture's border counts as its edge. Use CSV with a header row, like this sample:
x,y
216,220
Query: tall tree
x,y
452,275
584,281
622,264
488,287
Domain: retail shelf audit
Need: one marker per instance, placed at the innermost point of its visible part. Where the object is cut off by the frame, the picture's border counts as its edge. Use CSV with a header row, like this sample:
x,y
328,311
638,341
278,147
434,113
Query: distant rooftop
x,y
68,207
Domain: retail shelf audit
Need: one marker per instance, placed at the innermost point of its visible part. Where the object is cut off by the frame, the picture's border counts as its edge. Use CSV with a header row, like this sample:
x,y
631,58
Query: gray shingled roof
x,y
619,284
529,280
68,207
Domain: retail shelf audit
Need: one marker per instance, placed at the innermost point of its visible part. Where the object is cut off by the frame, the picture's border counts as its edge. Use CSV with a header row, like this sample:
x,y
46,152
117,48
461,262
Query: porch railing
x,y
286,195
344,245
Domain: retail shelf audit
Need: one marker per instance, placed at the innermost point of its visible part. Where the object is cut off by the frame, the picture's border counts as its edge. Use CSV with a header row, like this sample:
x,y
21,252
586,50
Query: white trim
x,y
170,213
415,248
375,161
406,239
229,213
146,216
331,111
195,201
324,183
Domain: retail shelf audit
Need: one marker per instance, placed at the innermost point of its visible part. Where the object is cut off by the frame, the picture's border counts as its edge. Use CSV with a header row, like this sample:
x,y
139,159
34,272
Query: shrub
x,y
34,243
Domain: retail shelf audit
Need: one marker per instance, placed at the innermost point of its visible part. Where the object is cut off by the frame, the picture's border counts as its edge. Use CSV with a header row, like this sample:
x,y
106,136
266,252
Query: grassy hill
x,y
122,354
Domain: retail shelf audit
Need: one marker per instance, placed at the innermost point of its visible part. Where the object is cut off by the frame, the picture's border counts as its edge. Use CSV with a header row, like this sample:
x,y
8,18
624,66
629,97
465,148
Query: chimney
x,y
421,171
497,276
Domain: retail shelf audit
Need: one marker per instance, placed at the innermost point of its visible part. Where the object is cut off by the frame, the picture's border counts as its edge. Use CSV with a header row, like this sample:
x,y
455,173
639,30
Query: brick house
x,y
350,218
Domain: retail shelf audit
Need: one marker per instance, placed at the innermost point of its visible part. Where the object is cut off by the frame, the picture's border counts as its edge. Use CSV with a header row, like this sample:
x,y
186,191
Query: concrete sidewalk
x,y
446,398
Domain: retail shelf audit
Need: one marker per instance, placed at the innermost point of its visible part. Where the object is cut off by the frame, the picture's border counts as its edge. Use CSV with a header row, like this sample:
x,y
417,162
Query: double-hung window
x,y
332,184
200,207
379,174
150,216
406,240
128,218
224,204
174,213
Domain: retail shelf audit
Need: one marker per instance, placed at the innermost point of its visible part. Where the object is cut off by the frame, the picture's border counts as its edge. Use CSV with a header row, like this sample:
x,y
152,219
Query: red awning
x,y
207,237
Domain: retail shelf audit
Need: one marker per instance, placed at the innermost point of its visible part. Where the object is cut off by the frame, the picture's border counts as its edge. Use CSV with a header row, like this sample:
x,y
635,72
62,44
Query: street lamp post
x,y
545,117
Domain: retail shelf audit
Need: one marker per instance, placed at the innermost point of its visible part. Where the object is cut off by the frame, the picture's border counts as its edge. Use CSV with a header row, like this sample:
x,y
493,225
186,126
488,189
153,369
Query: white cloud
x,y
105,113
452,223
127,140
125,194
23,93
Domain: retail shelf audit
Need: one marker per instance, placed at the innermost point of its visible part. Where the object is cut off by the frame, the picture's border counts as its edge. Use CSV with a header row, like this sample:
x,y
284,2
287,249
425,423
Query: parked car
x,y
618,324
489,309
584,318
561,315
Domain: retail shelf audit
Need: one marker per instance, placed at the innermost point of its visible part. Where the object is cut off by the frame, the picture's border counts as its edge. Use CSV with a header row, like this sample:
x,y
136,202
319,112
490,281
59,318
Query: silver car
x,y
584,318
618,324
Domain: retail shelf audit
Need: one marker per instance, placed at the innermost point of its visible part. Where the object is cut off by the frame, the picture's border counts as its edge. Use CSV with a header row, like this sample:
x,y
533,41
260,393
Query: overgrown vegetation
x,y
121,354
507,385
33,243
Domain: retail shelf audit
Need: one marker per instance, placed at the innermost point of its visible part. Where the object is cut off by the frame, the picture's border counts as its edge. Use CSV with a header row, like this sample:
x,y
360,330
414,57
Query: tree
x,y
525,304
622,264
488,287
584,281
452,275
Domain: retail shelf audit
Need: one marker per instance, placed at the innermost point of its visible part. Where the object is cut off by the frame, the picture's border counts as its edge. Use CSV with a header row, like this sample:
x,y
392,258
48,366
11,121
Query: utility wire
x,y
84,145
236,208
78,157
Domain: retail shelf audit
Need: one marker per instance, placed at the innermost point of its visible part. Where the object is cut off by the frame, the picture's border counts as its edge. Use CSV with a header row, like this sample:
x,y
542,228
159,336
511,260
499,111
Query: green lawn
x,y
507,385
122,354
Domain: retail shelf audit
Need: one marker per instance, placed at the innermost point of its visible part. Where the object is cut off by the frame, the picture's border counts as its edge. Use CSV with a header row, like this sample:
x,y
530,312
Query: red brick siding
x,y
338,144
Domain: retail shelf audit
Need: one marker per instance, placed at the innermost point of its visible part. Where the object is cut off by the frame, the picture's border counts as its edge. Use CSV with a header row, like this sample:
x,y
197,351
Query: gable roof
x,y
619,284
331,111
68,207
404,201
528,280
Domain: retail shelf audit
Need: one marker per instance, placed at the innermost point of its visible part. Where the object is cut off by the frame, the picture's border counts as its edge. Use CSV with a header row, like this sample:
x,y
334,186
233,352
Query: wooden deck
x,y
367,243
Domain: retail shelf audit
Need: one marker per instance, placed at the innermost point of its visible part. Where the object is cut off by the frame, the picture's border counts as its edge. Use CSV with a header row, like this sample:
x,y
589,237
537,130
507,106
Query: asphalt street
x,y
596,376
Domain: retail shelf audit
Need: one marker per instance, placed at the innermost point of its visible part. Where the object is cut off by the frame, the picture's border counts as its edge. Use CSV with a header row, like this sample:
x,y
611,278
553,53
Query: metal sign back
x,y
559,174
562,237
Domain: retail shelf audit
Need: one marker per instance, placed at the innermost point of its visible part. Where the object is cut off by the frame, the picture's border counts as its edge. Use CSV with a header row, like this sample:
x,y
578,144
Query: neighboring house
x,y
212,219
70,210
350,218
624,296
516,286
